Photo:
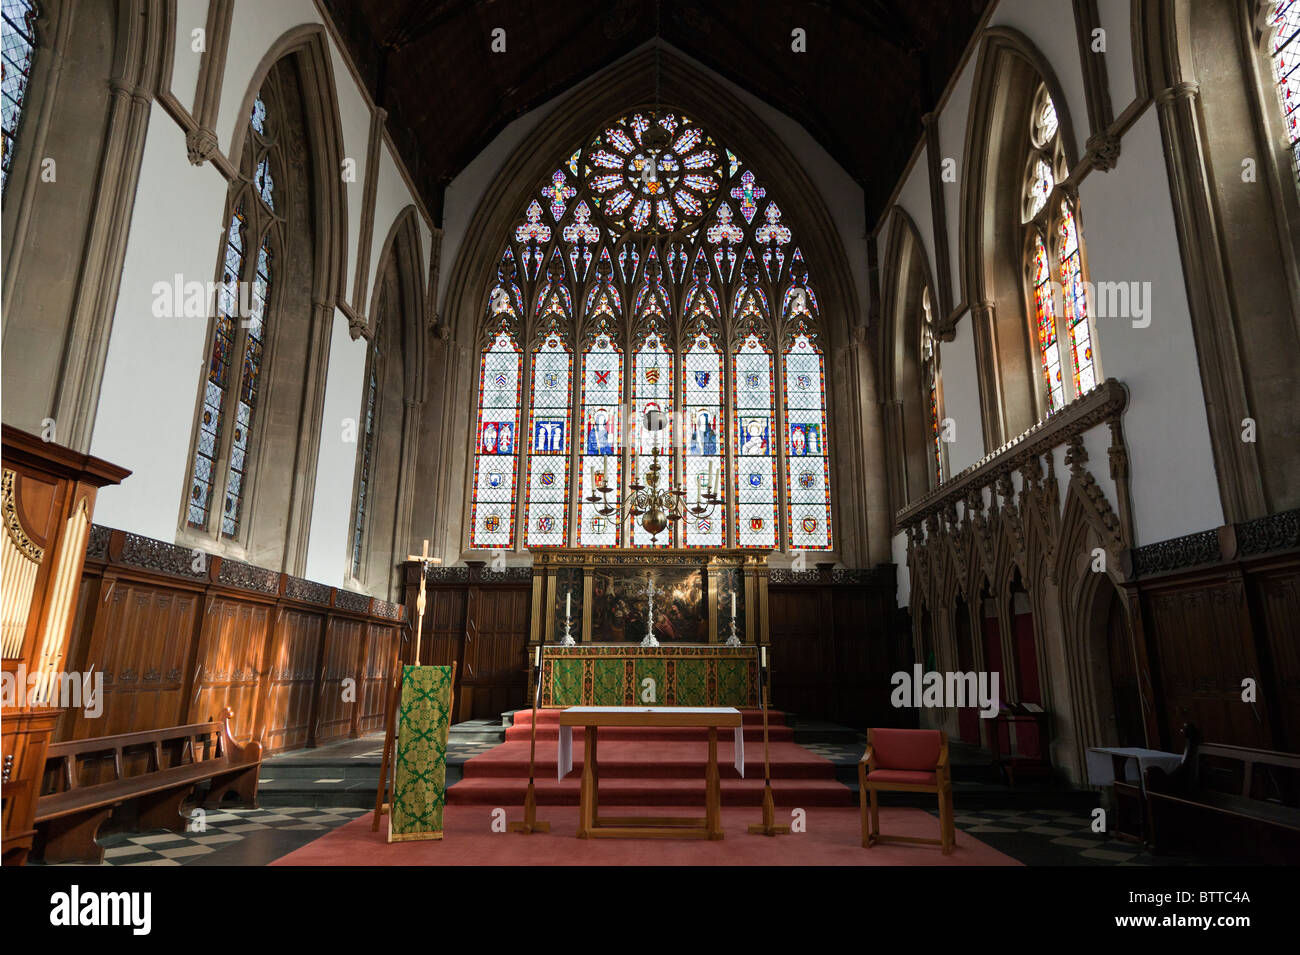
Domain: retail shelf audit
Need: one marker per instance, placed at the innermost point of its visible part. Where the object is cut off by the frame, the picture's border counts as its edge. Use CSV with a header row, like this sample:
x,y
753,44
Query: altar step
x,y
661,766
548,730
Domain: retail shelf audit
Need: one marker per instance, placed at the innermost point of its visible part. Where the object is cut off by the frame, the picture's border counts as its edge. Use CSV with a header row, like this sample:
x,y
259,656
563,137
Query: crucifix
x,y
425,560
650,592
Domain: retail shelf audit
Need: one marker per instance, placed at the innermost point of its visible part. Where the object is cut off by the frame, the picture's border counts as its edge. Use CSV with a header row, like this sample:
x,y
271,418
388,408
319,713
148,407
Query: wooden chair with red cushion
x,y
909,761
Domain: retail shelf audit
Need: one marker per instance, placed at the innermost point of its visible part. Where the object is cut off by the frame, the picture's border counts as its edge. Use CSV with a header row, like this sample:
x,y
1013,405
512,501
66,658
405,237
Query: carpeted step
x,y
548,729
486,790
653,759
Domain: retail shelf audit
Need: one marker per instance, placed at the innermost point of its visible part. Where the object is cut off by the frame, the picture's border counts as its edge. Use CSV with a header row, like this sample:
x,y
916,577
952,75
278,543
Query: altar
x,y
663,627
630,675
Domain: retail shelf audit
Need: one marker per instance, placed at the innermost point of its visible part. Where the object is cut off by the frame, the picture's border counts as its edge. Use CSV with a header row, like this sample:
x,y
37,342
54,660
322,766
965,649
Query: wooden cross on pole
x,y
425,560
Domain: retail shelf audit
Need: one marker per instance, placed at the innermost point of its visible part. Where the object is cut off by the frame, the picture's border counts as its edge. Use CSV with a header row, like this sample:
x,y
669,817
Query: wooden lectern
x,y
47,497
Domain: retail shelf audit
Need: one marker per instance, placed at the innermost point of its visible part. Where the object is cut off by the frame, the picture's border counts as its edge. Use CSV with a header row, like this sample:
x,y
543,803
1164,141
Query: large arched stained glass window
x,y
549,426
19,48
1054,264
223,445
602,405
930,371
686,283
807,458
1286,71
492,518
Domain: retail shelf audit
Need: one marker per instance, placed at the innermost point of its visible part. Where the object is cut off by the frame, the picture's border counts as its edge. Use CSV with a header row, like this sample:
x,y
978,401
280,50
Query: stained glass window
x,y
495,458
246,407
807,462
1075,303
1286,71
705,438
602,445
755,509
19,36
547,519
930,364
652,396
681,273
367,457
217,385
223,449
1054,270
1048,346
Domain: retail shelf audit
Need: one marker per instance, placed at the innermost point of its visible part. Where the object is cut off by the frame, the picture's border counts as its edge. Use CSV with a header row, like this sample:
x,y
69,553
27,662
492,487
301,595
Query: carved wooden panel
x,y
444,628
379,656
492,676
1278,598
231,651
334,713
141,648
291,677
1200,636
801,650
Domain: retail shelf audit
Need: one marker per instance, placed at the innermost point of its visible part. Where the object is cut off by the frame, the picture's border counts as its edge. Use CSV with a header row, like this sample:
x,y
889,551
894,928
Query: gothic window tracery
x,y
664,280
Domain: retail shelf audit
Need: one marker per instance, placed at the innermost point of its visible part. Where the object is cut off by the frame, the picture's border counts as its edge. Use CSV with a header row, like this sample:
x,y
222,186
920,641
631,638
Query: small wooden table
x,y
591,825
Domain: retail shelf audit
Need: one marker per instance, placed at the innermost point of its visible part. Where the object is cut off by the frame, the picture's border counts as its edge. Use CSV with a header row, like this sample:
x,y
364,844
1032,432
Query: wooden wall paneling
x,y
132,644
381,659
230,654
339,660
801,650
1198,632
361,653
493,677
1275,593
289,678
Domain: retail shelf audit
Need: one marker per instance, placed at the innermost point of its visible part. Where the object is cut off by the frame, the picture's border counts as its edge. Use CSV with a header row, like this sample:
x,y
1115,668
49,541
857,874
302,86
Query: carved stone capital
x,y
1104,148
200,145
1188,89
359,328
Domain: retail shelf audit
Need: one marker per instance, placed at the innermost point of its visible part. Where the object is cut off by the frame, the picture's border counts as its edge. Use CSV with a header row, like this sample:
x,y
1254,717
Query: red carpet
x,y
651,767
832,838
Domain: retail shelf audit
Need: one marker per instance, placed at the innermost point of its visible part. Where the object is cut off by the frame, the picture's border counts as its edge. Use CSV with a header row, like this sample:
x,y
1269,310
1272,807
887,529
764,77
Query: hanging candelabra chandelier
x,y
656,507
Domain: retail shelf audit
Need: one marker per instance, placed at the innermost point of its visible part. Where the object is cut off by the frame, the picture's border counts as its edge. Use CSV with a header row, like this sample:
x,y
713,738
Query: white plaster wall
x,y
145,419
1128,223
331,514
354,118
952,124
391,197
191,15
914,199
155,366
1116,18
1049,24
898,550
961,398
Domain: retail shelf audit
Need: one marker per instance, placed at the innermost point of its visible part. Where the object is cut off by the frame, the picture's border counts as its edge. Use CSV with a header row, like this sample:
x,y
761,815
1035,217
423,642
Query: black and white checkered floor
x,y
259,836
227,837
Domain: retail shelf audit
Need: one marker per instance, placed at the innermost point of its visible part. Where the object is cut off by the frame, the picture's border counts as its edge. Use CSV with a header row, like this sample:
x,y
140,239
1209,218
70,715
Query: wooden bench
x,y
1228,800
168,764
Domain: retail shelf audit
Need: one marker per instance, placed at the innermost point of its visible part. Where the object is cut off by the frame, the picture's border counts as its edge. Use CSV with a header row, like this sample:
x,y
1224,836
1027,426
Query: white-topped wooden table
x,y
591,718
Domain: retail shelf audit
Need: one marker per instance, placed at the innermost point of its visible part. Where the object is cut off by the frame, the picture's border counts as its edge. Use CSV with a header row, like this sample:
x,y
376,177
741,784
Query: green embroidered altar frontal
x,y
420,760
614,675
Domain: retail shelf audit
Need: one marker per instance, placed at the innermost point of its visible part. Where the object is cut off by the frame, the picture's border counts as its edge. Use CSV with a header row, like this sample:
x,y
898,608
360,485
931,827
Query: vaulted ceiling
x,y
871,70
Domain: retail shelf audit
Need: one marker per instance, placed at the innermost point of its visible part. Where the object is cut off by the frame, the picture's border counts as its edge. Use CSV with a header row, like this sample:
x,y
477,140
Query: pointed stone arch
x,y
906,268
684,86
1008,72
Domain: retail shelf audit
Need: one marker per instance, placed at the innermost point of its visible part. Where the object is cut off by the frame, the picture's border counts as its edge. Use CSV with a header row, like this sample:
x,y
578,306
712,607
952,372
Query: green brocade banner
x,y
615,675
420,760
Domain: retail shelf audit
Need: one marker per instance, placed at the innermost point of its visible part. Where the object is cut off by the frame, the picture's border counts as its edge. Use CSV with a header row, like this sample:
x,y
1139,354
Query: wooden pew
x,y
176,759
1229,800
